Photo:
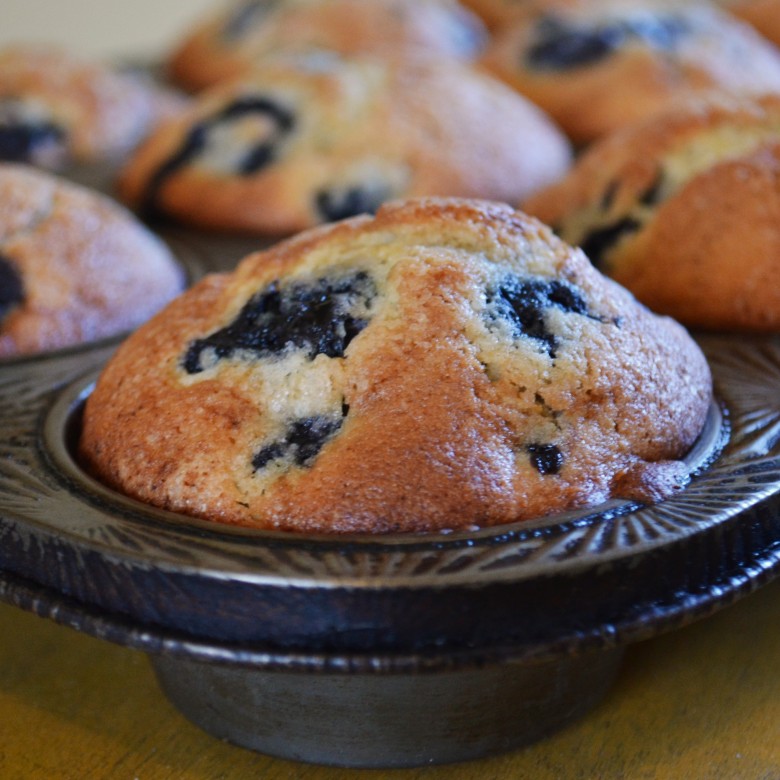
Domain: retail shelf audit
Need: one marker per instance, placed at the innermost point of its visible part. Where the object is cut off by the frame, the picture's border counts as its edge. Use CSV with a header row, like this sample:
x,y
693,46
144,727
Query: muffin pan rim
x,y
361,590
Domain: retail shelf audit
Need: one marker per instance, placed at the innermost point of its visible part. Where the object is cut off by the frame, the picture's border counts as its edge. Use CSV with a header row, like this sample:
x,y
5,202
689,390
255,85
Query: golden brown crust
x,y
381,28
702,49
102,113
362,129
700,185
86,267
445,413
711,256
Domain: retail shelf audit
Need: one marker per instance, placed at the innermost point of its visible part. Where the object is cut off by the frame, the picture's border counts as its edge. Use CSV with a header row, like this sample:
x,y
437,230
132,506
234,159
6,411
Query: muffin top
x,y
444,365
245,33
314,139
74,265
684,209
602,65
56,108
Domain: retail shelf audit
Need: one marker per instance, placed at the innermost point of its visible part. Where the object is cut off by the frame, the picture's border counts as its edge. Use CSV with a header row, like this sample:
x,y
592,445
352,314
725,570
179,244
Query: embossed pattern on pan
x,y
533,586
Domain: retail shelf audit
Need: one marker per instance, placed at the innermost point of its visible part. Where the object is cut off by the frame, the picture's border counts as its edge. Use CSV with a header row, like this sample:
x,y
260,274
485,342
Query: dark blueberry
x,y
267,454
608,196
339,203
264,152
320,317
306,437
652,195
545,458
21,137
245,17
560,46
194,143
524,303
257,157
11,287
565,297
302,442
598,242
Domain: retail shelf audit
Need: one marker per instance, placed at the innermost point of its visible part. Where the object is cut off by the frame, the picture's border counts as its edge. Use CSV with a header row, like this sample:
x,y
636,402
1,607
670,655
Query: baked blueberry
x,y
302,442
525,302
652,196
546,458
319,317
22,136
11,287
338,203
597,242
561,46
608,198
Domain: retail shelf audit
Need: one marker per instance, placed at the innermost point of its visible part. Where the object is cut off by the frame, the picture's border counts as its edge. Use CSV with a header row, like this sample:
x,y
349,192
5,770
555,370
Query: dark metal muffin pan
x,y
391,651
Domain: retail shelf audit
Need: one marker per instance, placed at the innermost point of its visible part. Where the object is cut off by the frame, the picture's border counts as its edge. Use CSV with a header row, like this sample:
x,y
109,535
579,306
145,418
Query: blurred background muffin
x,y
313,139
241,35
56,108
74,266
601,64
684,210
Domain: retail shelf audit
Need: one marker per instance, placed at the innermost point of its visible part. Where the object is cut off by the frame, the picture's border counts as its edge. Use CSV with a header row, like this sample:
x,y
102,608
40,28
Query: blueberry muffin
x,y
74,266
603,65
247,32
684,210
57,109
764,15
443,365
315,140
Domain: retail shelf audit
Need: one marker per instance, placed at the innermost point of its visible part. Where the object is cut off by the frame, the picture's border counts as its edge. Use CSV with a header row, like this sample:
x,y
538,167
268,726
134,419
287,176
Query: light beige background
x,y
101,28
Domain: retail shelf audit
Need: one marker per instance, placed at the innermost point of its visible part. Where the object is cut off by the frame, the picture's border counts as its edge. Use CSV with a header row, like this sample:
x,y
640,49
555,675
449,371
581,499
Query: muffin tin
x,y
379,651
382,651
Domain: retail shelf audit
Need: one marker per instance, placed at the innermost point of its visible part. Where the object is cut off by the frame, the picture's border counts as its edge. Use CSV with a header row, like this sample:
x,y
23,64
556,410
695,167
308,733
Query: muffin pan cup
x,y
384,651
348,710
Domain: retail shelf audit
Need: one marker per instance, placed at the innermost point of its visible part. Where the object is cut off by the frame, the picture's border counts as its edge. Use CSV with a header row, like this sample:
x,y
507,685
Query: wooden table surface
x,y
701,703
